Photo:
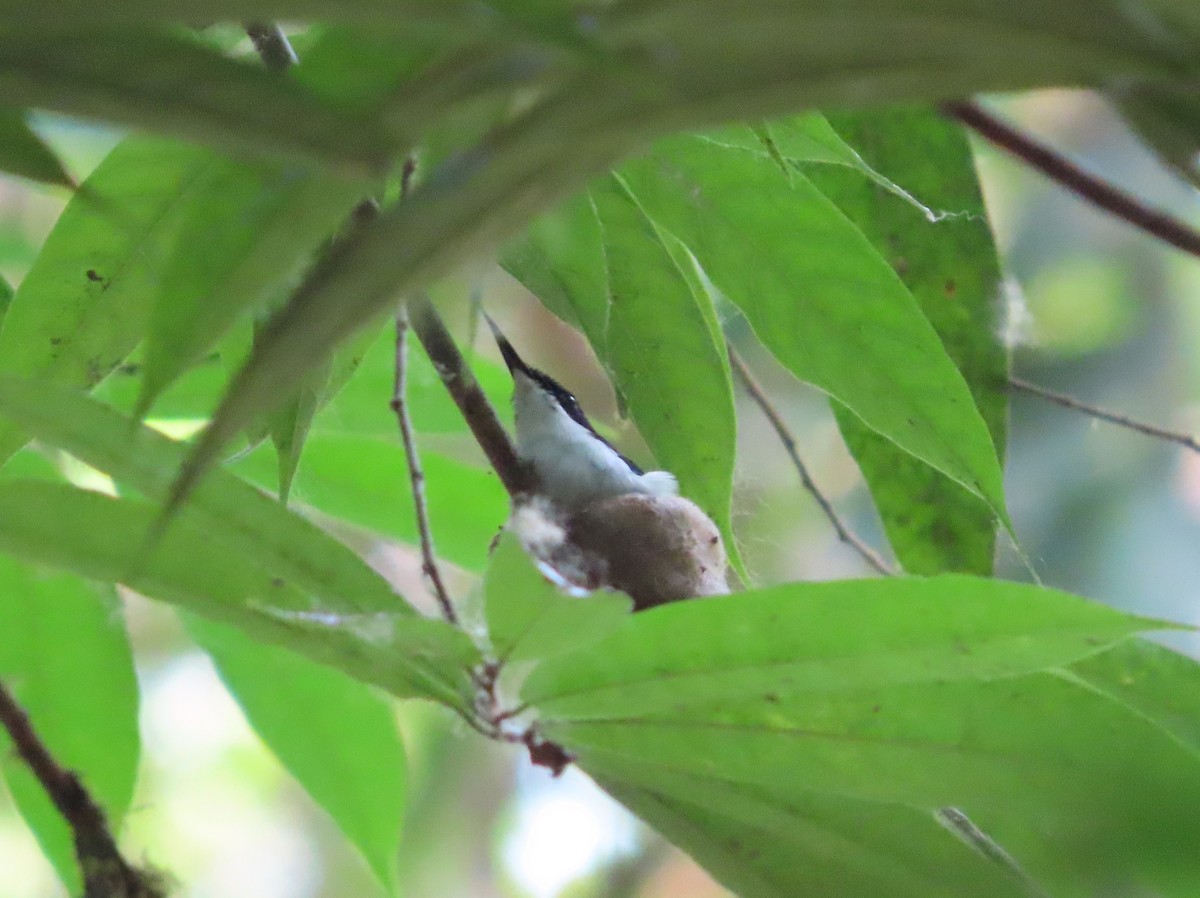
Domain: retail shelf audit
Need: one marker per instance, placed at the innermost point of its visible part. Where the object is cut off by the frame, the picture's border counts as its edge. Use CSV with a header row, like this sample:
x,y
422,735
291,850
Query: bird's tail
x,y
660,483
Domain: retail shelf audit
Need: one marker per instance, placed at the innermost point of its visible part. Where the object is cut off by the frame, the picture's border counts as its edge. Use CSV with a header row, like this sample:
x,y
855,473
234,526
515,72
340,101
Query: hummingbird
x,y
574,465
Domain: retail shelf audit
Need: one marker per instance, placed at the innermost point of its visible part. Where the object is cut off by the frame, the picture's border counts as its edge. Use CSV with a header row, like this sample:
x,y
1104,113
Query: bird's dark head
x,y
537,379
514,362
536,389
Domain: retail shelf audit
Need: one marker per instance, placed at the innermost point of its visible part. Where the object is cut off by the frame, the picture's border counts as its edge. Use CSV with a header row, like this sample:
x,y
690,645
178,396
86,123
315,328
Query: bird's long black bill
x,y
515,362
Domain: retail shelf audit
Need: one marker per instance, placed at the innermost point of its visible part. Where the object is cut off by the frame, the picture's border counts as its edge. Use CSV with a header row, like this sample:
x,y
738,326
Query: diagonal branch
x,y
1069,175
844,533
459,380
1181,439
105,873
469,396
416,475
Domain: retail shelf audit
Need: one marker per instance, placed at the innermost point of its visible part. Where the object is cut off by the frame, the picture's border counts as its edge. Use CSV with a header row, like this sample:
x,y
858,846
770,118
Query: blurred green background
x,y
1095,309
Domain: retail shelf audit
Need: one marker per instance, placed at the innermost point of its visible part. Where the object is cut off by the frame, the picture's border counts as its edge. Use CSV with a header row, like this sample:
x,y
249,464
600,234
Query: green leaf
x,y
362,409
763,845
472,202
25,154
546,19
335,735
364,481
1156,682
83,305
793,141
290,425
804,138
141,458
6,295
530,616
190,398
483,193
165,81
255,225
102,538
796,731
560,260
950,266
66,659
360,68
245,230
667,351
808,638
820,298
1071,785
32,463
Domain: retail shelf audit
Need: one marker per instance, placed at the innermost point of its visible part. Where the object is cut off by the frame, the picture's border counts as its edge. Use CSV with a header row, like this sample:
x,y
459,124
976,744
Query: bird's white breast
x,y
572,465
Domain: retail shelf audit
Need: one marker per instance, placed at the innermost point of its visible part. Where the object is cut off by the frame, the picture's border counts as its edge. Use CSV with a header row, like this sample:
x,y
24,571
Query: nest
x,y
656,549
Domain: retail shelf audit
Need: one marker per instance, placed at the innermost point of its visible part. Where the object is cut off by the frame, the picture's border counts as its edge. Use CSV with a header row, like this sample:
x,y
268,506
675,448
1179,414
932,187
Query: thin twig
x,y
105,873
416,475
1084,184
844,533
272,46
1071,402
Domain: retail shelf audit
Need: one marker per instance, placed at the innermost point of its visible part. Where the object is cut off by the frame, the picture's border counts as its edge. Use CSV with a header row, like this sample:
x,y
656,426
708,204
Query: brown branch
x,y
844,533
416,475
543,753
469,397
456,376
1069,175
272,46
1074,404
105,873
